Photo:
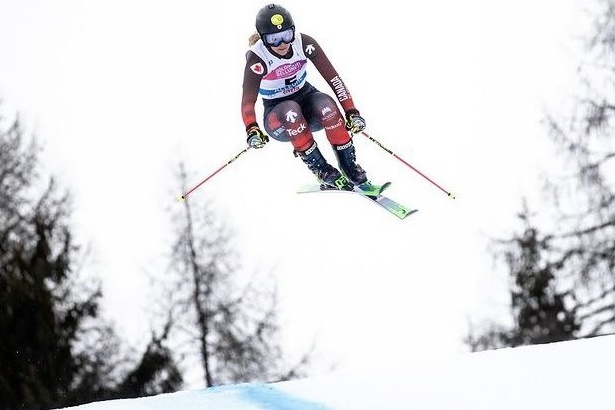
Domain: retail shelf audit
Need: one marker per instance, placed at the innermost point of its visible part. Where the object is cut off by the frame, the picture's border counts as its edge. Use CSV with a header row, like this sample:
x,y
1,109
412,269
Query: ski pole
x,y
449,194
183,197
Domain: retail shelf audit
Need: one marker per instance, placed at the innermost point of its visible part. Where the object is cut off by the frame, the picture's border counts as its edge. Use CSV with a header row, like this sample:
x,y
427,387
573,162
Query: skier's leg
x,y
347,159
325,172
286,122
321,108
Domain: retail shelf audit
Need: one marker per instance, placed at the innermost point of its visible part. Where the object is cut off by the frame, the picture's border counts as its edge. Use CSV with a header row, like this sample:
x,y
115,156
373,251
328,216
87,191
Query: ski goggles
x,y
275,39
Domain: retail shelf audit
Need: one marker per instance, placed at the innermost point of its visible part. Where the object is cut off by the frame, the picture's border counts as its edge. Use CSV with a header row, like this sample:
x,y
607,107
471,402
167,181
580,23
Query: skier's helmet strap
x,y
273,18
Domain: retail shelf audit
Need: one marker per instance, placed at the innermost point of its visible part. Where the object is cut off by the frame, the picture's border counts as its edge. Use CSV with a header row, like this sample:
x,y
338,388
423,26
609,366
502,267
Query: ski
x,y
384,202
367,188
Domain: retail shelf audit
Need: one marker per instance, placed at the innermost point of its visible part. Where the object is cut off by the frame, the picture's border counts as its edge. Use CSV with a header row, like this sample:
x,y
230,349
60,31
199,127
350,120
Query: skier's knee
x,y
326,109
286,122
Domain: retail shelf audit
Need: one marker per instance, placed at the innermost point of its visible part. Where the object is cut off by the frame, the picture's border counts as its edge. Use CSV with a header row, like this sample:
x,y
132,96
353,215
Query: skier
x,y
276,65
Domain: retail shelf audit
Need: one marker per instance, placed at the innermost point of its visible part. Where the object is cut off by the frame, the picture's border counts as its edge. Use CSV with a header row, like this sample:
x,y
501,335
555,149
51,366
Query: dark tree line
x,y
562,273
55,350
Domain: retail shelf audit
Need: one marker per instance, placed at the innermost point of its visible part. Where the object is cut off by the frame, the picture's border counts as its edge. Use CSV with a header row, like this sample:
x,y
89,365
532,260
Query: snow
x,y
565,375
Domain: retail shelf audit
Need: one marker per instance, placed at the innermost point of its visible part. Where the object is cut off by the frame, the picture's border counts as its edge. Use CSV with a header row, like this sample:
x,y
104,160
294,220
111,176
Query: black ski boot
x,y
346,157
325,172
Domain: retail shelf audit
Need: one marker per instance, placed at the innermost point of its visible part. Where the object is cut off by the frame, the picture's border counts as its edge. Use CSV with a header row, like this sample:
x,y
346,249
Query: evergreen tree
x,y
55,351
564,274
540,308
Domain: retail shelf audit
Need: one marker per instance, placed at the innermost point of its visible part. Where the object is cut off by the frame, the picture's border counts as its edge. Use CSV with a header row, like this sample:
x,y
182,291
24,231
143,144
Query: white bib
x,y
284,76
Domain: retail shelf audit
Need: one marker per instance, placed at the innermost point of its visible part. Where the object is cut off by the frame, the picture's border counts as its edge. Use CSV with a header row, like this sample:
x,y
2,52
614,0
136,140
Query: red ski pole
x,y
183,197
449,194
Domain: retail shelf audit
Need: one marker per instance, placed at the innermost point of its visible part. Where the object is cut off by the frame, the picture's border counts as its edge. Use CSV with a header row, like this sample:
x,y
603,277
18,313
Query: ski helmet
x,y
273,18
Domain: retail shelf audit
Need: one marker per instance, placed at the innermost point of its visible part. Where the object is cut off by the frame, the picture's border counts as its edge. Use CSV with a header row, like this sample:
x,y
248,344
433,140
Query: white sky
x,y
120,91
562,376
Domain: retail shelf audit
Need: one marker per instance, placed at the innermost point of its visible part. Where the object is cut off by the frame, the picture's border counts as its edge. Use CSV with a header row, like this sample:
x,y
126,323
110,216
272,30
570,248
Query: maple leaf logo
x,y
257,68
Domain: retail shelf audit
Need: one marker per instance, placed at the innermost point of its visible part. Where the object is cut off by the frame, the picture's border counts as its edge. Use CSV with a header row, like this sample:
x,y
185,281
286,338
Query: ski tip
x,y
407,214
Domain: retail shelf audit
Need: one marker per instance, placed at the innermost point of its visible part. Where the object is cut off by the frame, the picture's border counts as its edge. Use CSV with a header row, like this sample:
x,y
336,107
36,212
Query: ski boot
x,y
346,158
327,174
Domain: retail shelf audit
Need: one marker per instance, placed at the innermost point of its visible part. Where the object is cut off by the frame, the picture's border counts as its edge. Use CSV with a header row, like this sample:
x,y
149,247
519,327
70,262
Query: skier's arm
x,y
314,52
253,73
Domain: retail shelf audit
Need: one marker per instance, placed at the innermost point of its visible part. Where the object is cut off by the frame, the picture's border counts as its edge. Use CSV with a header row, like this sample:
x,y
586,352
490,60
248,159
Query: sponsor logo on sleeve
x,y
340,89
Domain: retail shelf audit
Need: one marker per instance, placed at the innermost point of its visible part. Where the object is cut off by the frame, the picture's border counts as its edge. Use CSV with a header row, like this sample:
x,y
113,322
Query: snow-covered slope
x,y
567,375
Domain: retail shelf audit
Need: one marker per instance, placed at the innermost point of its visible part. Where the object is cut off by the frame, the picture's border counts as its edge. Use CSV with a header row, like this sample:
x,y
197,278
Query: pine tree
x,y
55,350
563,275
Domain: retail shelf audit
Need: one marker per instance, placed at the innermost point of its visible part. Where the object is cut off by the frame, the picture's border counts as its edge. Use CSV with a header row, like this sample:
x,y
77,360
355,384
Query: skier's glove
x,y
256,137
354,122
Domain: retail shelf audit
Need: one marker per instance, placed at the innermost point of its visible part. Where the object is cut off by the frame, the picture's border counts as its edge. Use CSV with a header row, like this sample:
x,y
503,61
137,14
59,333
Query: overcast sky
x,y
119,92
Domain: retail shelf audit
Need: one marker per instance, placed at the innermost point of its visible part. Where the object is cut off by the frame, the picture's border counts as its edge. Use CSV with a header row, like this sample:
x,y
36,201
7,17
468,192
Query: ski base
x,y
386,203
